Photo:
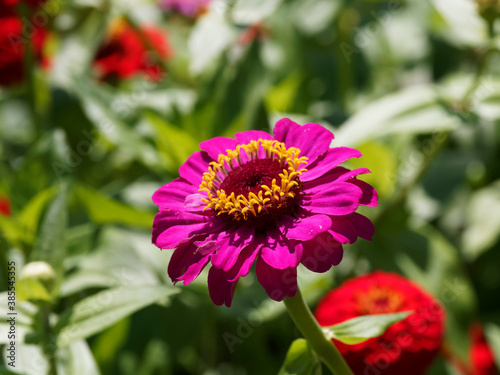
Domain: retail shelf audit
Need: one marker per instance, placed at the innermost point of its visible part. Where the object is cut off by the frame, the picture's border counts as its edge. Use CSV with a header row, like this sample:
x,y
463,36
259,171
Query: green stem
x,y
309,327
47,345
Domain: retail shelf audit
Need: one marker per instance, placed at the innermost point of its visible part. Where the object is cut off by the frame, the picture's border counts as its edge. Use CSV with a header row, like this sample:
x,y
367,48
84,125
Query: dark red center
x,y
249,177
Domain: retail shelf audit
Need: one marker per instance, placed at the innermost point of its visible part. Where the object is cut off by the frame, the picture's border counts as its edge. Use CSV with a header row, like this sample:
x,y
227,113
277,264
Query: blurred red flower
x,y
480,354
5,208
126,53
15,39
408,346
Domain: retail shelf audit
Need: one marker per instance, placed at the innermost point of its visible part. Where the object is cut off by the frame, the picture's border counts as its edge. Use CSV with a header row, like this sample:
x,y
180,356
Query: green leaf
x,y
5,371
250,12
381,161
31,290
300,360
415,110
30,214
77,359
103,210
482,221
362,328
210,38
464,25
108,344
107,114
50,246
280,97
173,143
492,332
102,310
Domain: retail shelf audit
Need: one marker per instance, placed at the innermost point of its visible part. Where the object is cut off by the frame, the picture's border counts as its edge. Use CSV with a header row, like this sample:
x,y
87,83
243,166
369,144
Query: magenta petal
x,y
194,203
172,236
194,167
218,145
186,263
343,230
245,261
335,198
278,251
221,291
252,135
312,139
168,218
305,228
363,225
370,195
230,244
278,284
328,161
321,253
172,195
339,174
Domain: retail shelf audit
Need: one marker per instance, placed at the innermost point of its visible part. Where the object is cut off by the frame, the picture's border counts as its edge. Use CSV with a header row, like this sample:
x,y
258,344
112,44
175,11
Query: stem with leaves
x,y
309,327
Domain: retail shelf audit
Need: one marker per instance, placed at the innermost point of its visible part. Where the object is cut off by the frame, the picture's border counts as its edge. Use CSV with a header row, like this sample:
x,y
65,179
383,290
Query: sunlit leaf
x,y
210,37
415,110
30,215
249,12
482,220
464,26
492,332
174,143
50,246
103,210
362,328
31,290
77,359
102,310
300,360
380,160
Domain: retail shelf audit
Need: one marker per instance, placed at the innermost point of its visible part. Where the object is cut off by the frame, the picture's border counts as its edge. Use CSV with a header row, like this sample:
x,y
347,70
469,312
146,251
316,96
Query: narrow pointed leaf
x,y
362,328
102,310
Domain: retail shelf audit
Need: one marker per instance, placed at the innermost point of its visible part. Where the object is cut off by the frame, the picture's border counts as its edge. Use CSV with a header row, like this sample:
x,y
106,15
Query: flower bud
x,y
488,9
41,271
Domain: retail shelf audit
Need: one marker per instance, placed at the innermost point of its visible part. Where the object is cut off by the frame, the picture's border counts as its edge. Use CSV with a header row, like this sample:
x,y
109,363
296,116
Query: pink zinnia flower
x,y
274,201
190,8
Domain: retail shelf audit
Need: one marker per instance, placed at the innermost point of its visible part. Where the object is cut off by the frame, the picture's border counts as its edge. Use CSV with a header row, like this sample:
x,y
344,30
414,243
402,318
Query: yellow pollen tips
x,y
243,207
379,301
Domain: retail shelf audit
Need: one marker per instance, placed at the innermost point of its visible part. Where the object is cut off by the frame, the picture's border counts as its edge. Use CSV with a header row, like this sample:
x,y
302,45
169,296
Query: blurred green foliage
x,y
415,85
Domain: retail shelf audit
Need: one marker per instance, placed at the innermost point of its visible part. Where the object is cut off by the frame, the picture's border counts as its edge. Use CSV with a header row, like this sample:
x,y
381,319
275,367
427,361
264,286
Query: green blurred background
x,y
415,85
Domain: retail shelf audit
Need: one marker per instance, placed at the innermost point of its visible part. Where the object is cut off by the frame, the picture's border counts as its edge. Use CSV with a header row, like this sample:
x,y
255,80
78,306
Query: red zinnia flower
x,y
126,54
409,345
481,355
274,201
5,208
13,44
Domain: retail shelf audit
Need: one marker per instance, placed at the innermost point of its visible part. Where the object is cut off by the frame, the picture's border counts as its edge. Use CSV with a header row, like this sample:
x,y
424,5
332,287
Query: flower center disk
x,y
255,184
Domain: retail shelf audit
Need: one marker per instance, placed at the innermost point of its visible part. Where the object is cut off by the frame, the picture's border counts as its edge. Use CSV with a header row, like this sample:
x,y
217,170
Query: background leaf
x,y
102,310
362,328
